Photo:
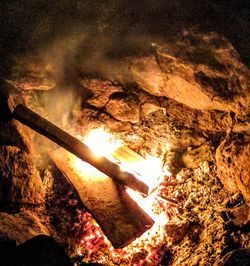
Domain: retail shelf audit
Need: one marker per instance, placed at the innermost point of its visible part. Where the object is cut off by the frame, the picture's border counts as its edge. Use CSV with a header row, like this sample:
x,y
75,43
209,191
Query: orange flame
x,y
149,170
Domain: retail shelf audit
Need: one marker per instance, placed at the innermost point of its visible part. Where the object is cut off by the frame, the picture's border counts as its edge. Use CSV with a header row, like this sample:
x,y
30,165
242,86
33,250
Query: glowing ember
x,y
147,249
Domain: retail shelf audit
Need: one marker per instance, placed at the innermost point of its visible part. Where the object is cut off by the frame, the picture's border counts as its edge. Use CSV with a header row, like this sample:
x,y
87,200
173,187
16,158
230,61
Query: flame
x,y
102,143
149,170
147,204
105,144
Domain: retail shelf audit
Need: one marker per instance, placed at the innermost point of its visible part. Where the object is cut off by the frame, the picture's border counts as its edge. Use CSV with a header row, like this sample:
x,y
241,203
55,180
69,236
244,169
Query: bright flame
x,y
147,170
102,143
147,204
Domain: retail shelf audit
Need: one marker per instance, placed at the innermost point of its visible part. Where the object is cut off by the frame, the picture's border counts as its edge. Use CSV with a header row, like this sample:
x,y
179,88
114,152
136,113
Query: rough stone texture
x,y
21,226
20,182
100,90
177,231
232,159
202,71
124,107
149,108
232,156
30,73
192,158
183,77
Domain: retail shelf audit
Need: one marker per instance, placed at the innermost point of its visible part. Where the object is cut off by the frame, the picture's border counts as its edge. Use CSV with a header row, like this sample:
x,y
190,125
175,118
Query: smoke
x,y
94,36
77,38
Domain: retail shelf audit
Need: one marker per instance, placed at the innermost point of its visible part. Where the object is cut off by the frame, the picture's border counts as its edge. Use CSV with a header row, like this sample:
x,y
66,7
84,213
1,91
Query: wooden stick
x,y
75,146
119,216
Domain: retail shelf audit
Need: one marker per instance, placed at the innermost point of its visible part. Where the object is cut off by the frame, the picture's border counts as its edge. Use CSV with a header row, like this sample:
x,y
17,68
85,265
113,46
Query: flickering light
x,y
147,204
102,143
150,171
147,170
105,144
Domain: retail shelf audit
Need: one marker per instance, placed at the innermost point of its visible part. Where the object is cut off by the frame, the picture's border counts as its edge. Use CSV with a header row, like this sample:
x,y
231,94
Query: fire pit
x,y
150,129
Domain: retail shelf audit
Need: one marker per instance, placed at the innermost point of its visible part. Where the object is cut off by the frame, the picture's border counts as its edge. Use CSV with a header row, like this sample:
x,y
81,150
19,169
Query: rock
x,y
124,107
192,158
148,108
209,121
31,73
232,160
100,90
148,75
240,214
14,133
237,257
20,181
202,71
177,231
232,157
21,226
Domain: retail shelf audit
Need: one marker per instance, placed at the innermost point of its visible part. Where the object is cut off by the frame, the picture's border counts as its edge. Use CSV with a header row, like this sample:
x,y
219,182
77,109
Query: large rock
x,y
21,226
232,159
124,107
20,182
200,71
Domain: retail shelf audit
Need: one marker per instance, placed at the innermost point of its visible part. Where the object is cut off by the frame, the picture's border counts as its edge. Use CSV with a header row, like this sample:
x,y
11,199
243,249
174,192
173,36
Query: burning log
x,y
120,218
75,146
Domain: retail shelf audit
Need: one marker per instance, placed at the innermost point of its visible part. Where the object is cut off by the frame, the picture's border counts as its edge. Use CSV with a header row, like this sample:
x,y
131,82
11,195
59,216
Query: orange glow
x,y
105,144
147,204
149,170
102,143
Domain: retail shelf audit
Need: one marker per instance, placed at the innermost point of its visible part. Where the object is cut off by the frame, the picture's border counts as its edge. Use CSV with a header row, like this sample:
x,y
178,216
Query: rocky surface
x,y
200,71
232,159
20,181
179,94
21,226
185,102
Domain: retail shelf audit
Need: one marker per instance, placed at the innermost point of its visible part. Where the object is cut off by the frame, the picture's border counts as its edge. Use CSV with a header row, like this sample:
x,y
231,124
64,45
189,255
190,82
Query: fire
x,y
102,143
149,170
105,144
150,205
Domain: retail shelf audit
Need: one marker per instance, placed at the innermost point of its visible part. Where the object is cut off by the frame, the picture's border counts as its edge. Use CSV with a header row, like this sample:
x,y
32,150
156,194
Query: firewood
x,y
75,146
119,216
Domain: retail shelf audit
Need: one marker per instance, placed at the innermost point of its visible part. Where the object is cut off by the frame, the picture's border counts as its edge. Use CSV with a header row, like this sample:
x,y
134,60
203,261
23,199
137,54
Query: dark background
x,y
123,27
